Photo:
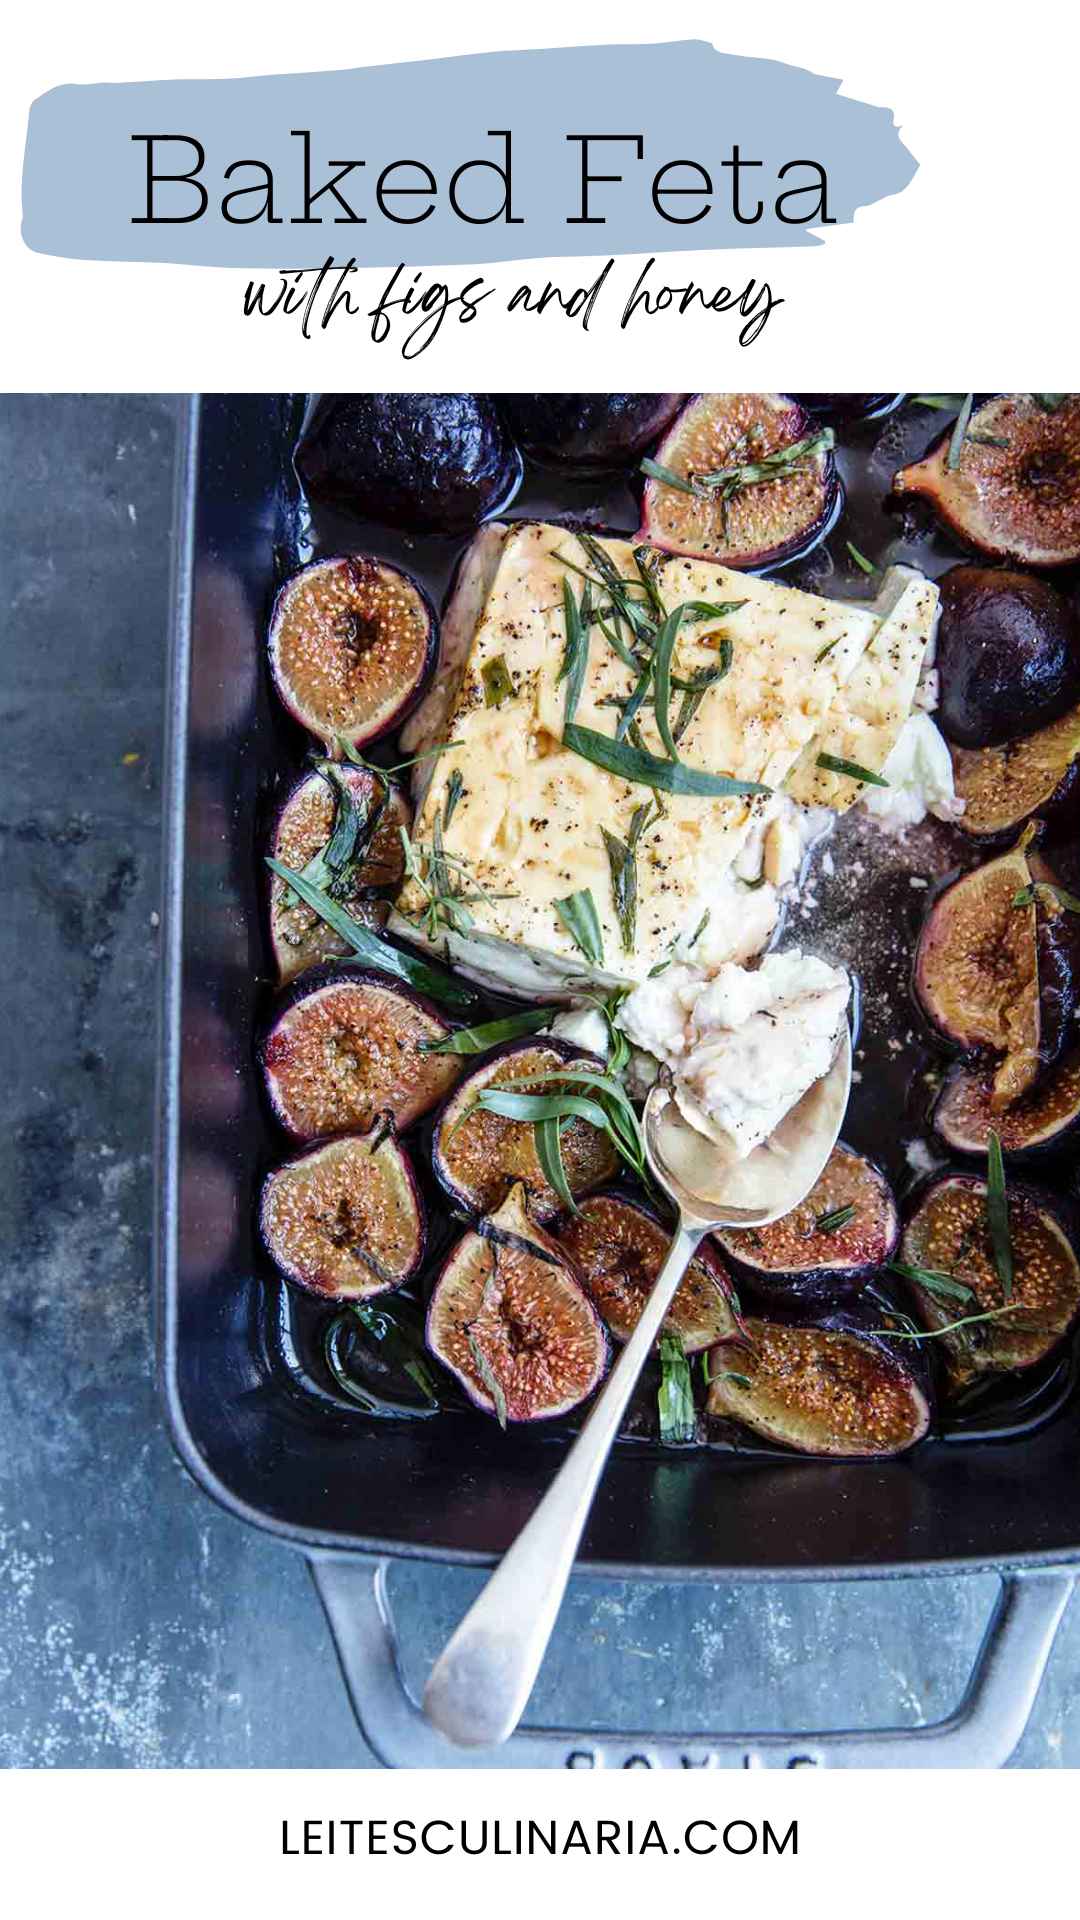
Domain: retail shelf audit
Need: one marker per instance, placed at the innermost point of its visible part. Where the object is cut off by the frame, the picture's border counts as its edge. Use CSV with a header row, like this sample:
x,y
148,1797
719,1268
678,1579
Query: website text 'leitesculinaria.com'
x,y
525,1838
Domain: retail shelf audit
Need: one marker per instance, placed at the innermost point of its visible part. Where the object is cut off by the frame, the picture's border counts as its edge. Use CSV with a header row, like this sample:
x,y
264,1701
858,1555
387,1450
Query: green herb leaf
x,y
575,658
498,685
582,922
932,1280
454,789
668,477
939,1333
623,864
398,1335
548,1140
662,657
699,930
825,651
997,1214
1027,896
1050,402
832,1222
492,1033
675,1397
860,559
830,764
488,1377
956,444
940,402
647,770
373,951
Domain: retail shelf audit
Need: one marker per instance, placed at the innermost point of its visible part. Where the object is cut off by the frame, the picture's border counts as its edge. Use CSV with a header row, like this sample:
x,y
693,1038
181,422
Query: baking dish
x,y
282,1459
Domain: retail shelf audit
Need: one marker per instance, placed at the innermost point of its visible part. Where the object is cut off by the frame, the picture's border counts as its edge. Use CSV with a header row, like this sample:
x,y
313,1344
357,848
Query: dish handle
x,y
982,1731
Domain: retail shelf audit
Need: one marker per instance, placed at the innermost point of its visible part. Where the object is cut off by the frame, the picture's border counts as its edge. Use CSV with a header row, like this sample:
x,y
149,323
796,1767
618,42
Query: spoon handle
x,y
479,1685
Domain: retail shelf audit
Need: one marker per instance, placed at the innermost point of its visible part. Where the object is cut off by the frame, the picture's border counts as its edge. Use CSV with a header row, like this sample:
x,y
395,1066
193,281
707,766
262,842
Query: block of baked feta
x,y
525,817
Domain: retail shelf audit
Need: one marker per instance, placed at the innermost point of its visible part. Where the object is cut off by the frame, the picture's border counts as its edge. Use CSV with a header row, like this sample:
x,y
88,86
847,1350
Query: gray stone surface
x,y
138,1625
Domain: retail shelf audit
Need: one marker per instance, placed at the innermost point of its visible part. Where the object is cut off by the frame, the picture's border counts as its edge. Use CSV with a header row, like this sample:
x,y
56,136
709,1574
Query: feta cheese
x,y
583,1027
743,1045
919,771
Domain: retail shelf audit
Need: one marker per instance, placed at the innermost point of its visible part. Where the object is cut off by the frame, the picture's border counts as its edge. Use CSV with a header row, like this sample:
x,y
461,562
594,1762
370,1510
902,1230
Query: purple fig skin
x,y
566,1276
390,716
850,406
307,987
426,462
588,432
1017,501
1008,655
373,1284
794,529
479,1072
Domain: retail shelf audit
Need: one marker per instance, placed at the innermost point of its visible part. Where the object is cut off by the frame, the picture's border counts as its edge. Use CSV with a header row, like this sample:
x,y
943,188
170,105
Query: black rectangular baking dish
x,y
282,1460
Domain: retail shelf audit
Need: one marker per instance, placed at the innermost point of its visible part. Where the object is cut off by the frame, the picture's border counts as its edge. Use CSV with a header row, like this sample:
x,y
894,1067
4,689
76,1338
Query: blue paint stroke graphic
x,y
84,175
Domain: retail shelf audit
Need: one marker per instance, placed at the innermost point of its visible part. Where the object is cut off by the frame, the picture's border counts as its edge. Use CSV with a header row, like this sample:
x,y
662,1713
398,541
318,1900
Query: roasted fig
x,y
1002,787
618,1247
744,478
964,1115
588,432
345,1220
835,1387
478,1156
950,1236
348,1047
351,643
428,462
1013,489
510,1319
341,827
846,1227
850,406
1008,655
998,967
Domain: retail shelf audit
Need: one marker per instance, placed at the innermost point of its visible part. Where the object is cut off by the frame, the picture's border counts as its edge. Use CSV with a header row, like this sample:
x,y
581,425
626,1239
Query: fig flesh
x,y
345,1220
1014,492
1008,655
827,1248
351,643
348,1047
1003,787
427,462
588,432
342,826
478,1156
836,1387
996,968
510,1320
1039,1120
744,478
618,1247
949,1234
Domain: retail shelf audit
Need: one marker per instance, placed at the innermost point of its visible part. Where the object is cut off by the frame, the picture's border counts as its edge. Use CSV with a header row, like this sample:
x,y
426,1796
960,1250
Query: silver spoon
x,y
480,1683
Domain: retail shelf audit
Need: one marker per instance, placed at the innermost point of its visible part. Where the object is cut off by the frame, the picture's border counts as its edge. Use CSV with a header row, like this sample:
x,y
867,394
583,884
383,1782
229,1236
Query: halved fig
x,y
351,643
964,1116
850,406
1003,787
949,1234
478,1156
834,1387
1014,492
618,1247
345,1220
998,967
846,1227
344,824
350,1046
588,432
428,462
744,478
1008,655
510,1319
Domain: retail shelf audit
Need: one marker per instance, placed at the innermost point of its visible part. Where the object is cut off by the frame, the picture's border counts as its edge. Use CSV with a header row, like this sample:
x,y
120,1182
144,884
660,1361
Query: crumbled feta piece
x,y
743,1045
583,1027
920,776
